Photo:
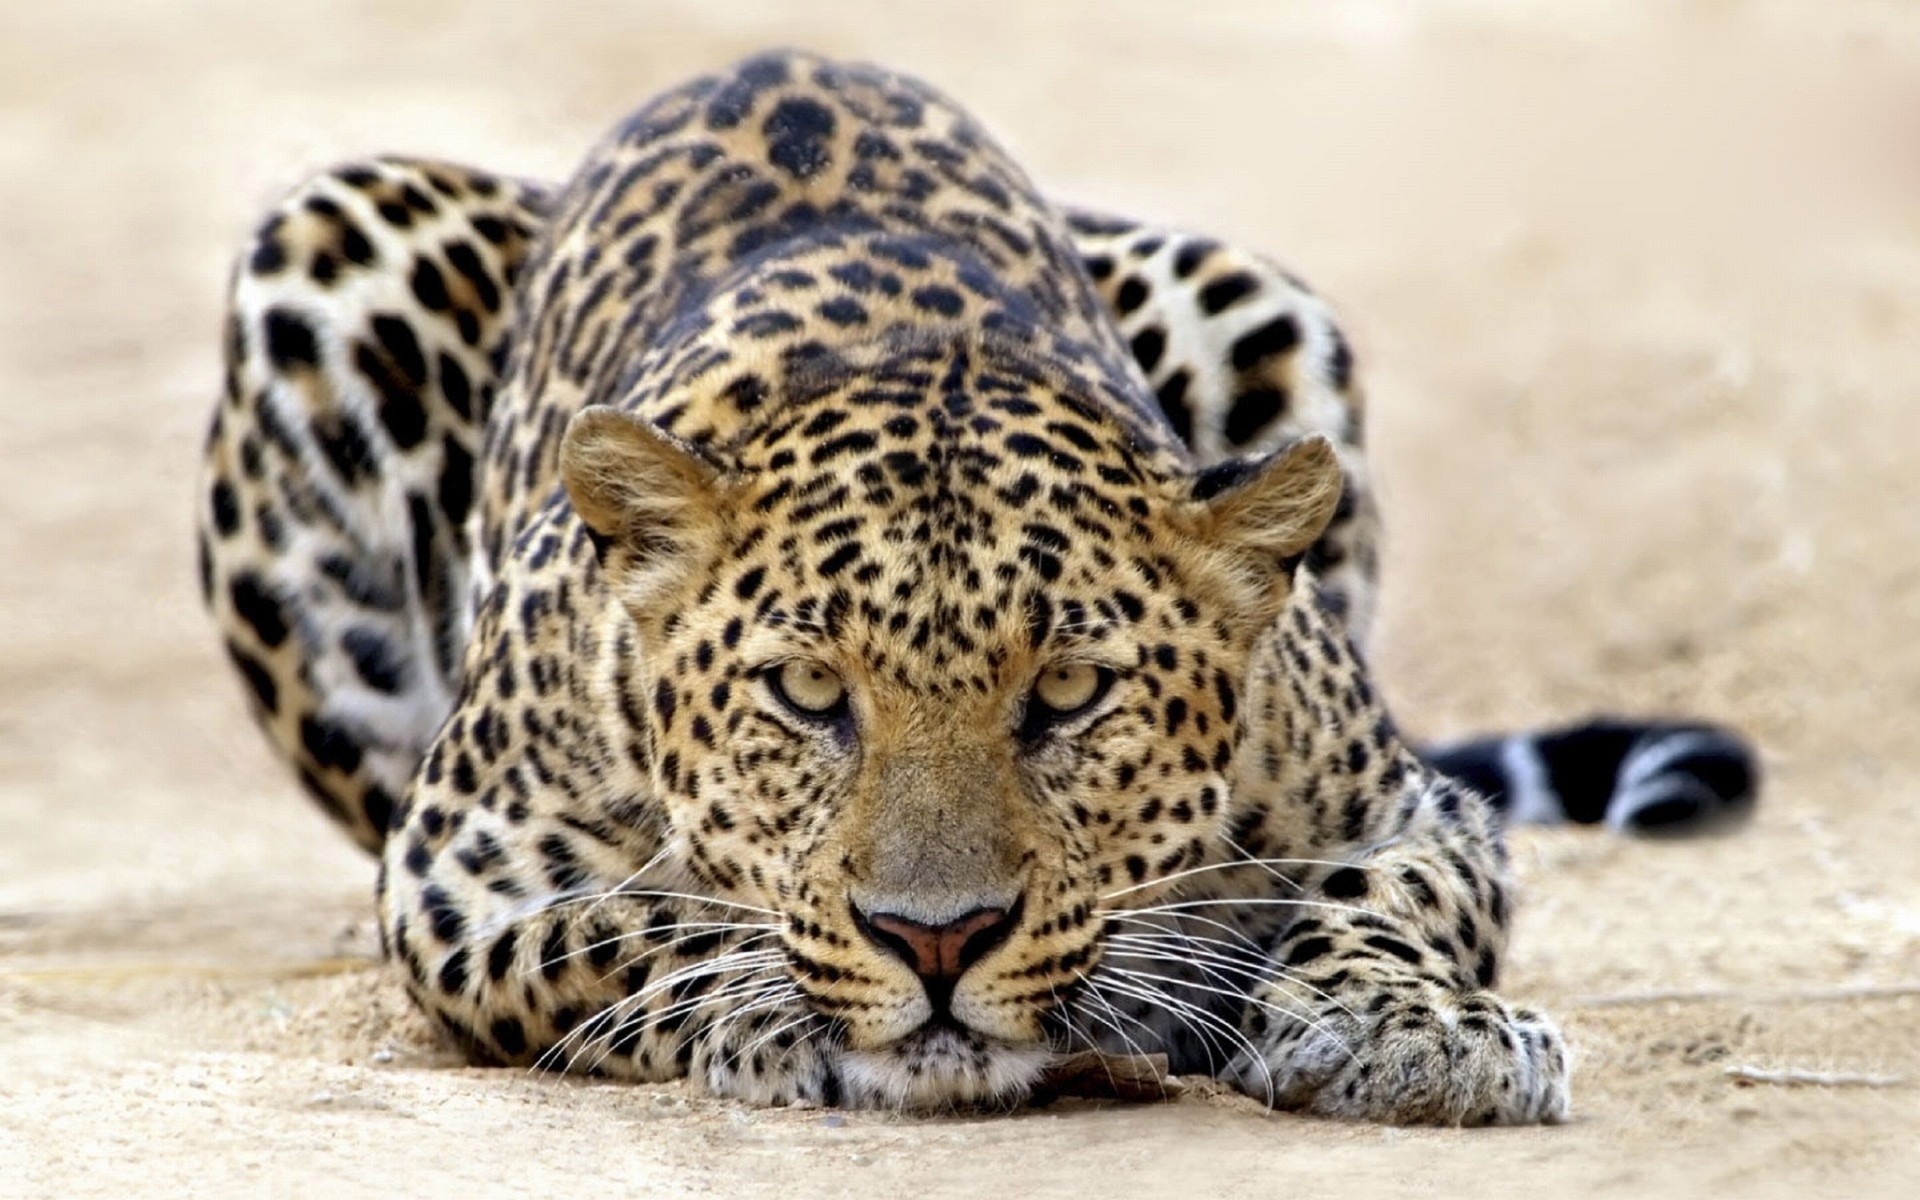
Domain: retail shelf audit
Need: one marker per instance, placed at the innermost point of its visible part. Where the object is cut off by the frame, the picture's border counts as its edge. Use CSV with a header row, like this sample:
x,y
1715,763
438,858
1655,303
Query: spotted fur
x,y
522,501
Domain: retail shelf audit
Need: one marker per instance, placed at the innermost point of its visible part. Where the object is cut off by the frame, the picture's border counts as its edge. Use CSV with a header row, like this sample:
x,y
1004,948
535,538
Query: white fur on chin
x,y
939,1070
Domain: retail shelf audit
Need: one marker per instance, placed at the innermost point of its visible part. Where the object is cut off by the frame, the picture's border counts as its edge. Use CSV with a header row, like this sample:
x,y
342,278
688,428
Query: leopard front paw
x,y
783,1059
1421,1056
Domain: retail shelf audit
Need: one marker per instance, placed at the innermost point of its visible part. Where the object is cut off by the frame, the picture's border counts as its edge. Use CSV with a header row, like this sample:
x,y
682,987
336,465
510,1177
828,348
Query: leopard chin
x,y
940,1067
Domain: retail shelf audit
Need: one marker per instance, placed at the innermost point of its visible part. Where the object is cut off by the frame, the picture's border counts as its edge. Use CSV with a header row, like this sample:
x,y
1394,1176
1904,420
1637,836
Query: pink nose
x,y
938,954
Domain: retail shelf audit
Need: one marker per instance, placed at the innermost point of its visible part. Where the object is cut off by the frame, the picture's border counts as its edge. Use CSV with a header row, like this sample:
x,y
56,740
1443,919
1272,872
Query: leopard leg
x,y
1380,1006
1377,1001
1374,1001
512,901
367,321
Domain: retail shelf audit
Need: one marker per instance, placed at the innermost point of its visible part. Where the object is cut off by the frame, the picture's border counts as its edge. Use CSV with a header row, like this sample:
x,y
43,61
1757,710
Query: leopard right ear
x,y
1261,516
652,503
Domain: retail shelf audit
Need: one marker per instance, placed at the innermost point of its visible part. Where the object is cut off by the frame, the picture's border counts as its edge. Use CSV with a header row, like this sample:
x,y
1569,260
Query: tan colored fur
x,y
801,366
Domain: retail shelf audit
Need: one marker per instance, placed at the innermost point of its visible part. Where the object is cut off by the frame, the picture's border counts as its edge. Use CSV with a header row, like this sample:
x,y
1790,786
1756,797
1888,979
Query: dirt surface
x,y
1635,289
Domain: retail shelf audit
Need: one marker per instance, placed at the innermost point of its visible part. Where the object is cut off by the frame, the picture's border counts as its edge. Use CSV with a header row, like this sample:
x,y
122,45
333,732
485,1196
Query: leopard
x,y
796,610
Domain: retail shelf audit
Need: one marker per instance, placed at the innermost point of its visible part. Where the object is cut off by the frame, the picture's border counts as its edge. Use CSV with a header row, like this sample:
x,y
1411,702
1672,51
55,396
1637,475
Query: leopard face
x,y
938,681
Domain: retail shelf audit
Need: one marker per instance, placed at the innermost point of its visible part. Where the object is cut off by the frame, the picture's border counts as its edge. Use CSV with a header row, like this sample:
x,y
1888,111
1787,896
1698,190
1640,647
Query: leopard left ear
x,y
652,503
1263,514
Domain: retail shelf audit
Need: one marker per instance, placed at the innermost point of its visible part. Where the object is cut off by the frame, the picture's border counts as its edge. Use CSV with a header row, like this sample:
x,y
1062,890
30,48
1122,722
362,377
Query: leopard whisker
x,y
1174,906
1121,981
1257,964
732,962
1142,979
1127,916
1233,865
1182,950
1077,1038
1253,1056
1249,857
1182,908
740,1058
1191,1016
1152,956
1228,993
772,1000
1259,969
618,1009
788,1052
618,938
649,865
1092,990
640,1023
1110,1023
582,1038
737,947
623,892
634,1023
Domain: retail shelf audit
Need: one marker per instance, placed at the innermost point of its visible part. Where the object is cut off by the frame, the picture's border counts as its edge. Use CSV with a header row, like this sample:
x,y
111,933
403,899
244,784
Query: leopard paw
x,y
775,1058
1424,1056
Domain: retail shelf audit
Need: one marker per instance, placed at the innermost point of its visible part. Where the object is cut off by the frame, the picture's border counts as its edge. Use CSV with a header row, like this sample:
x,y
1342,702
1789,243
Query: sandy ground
x,y
1634,285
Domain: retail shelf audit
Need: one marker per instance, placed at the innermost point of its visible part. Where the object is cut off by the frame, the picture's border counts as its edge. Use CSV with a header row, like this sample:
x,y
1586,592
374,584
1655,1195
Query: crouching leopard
x,y
796,609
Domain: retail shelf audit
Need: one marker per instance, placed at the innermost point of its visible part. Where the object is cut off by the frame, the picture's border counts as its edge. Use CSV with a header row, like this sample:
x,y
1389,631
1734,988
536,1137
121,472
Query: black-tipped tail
x,y
1641,777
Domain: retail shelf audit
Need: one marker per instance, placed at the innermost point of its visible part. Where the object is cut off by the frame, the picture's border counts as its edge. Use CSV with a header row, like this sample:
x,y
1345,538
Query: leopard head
x,y
939,682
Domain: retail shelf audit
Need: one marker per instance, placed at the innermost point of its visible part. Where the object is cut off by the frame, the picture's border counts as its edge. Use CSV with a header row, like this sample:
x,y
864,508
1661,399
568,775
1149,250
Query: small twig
x,y
1795,1077
1826,995
1136,1078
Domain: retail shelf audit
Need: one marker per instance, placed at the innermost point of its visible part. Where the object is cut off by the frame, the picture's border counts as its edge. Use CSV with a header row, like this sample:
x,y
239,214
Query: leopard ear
x,y
1263,514
652,504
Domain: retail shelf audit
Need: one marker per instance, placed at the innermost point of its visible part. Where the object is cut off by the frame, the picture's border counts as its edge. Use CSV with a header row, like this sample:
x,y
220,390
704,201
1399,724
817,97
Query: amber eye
x,y
1062,692
1068,689
810,689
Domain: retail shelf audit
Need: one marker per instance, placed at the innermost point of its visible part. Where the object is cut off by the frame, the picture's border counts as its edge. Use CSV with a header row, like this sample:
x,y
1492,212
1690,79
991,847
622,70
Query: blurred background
x,y
1633,288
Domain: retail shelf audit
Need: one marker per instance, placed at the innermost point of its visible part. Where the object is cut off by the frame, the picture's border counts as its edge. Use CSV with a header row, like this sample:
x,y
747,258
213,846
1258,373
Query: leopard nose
x,y
938,954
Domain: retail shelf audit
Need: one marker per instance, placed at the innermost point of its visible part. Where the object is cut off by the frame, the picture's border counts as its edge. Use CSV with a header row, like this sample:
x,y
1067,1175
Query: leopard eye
x,y
1068,689
810,689
1061,693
